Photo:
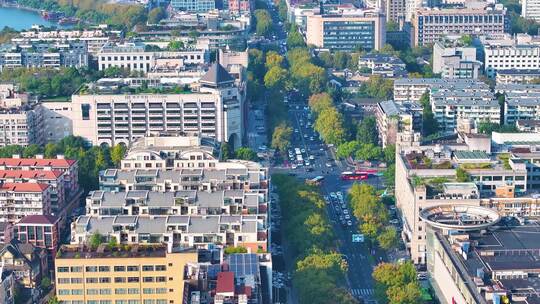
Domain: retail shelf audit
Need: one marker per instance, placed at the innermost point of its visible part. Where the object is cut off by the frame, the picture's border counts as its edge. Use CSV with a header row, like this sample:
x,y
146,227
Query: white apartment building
x,y
93,39
450,106
431,24
132,56
215,110
18,200
522,102
521,52
452,60
412,89
21,126
530,9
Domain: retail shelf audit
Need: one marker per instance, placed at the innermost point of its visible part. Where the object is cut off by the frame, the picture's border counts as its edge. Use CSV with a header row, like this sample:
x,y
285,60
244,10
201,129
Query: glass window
x,y
92,280
104,269
119,280
62,269
76,269
120,291
148,291
92,291
133,268
148,279
160,267
133,290
91,269
77,292
63,292
119,268
76,280
104,280
63,281
161,279
161,290
148,268
105,291
133,279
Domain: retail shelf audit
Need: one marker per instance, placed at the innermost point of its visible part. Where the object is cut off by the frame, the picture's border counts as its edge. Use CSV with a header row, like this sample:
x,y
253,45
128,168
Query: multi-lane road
x,y
322,162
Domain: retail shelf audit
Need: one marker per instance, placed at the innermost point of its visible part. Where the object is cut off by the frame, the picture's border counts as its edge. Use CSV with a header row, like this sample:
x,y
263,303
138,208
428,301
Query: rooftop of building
x,y
16,161
511,72
178,175
119,251
174,142
470,7
40,219
378,58
504,259
202,199
196,224
24,187
30,174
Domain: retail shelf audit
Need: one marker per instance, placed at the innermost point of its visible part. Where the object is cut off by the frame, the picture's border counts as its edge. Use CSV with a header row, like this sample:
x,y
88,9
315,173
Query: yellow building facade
x,y
126,275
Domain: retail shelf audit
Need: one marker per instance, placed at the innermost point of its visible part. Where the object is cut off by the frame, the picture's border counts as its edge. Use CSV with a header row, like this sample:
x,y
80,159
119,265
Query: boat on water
x,y
51,16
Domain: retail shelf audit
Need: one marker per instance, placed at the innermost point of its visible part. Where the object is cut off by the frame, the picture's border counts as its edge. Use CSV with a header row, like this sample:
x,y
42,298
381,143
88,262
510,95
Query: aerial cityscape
x,y
269,152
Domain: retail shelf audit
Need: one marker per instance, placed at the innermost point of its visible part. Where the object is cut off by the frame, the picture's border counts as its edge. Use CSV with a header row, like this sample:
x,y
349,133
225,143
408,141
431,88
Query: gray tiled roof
x,y
216,74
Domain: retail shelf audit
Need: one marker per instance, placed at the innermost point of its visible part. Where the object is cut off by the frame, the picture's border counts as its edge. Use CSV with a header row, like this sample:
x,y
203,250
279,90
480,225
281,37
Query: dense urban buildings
x,y
530,9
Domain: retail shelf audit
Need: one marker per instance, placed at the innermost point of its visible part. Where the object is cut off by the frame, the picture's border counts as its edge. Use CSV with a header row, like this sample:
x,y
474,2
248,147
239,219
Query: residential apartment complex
x,y
214,110
522,102
133,57
519,53
530,9
454,61
132,274
346,32
393,119
395,10
49,55
412,89
193,5
431,24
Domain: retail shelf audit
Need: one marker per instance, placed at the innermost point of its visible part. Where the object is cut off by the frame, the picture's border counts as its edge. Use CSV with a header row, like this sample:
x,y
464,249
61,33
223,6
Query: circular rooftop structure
x,y
464,218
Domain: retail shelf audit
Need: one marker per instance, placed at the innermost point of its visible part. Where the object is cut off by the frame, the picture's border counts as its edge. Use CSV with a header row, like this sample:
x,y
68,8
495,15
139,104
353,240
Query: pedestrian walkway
x,y
362,292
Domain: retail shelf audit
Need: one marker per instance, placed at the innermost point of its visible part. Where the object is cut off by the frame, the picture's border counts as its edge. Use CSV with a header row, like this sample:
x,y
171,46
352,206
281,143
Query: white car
x,y
303,150
347,217
349,223
307,163
328,165
311,157
294,167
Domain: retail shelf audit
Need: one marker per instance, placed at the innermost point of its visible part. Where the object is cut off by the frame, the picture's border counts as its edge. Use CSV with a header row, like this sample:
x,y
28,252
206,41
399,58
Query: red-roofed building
x,y
69,167
225,284
42,231
54,178
20,200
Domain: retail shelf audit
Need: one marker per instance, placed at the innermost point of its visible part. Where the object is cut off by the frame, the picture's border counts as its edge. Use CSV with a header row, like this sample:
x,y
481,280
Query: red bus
x,y
354,176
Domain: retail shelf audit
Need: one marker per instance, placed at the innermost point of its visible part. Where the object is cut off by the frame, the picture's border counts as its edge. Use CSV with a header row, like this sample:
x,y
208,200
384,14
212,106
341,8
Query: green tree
x,y
274,59
378,87
225,151
392,26
368,152
275,78
175,45
156,14
429,123
246,153
281,138
31,151
320,102
462,176
367,131
388,238
348,149
294,38
263,22
95,240
329,124
389,154
396,283
117,154
45,283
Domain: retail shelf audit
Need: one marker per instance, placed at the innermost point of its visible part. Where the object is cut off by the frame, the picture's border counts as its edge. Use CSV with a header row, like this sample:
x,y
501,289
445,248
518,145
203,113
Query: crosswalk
x,y
362,291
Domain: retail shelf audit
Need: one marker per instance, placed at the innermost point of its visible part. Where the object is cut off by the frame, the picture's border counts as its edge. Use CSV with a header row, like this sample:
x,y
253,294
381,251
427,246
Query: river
x,y
21,19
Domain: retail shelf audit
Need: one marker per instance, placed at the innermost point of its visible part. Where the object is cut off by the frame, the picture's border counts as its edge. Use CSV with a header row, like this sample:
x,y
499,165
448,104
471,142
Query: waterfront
x,y
21,19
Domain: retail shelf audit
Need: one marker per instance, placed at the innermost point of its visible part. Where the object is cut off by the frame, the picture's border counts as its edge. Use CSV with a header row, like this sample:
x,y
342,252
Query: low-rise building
x,y
55,55
393,119
194,6
94,39
42,231
517,76
453,60
136,274
412,89
7,286
28,263
382,64
531,125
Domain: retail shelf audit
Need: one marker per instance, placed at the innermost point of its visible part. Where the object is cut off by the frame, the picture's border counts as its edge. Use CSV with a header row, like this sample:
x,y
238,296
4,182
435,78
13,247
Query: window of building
x,y
63,292
161,290
92,291
133,279
119,268
120,291
92,280
160,268
148,279
85,109
105,280
160,279
76,280
119,280
63,281
148,290
133,290
133,268
76,292
62,269
104,269
105,291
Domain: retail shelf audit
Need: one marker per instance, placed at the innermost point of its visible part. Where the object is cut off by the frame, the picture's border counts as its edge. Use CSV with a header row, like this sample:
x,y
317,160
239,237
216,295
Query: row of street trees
x,y
319,274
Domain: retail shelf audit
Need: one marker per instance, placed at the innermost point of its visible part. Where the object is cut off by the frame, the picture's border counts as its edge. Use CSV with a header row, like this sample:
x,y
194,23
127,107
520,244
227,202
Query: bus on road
x,y
354,175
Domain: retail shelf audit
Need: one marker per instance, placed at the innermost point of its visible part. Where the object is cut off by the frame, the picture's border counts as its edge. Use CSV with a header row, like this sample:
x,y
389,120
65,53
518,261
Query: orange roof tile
x,y
23,187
